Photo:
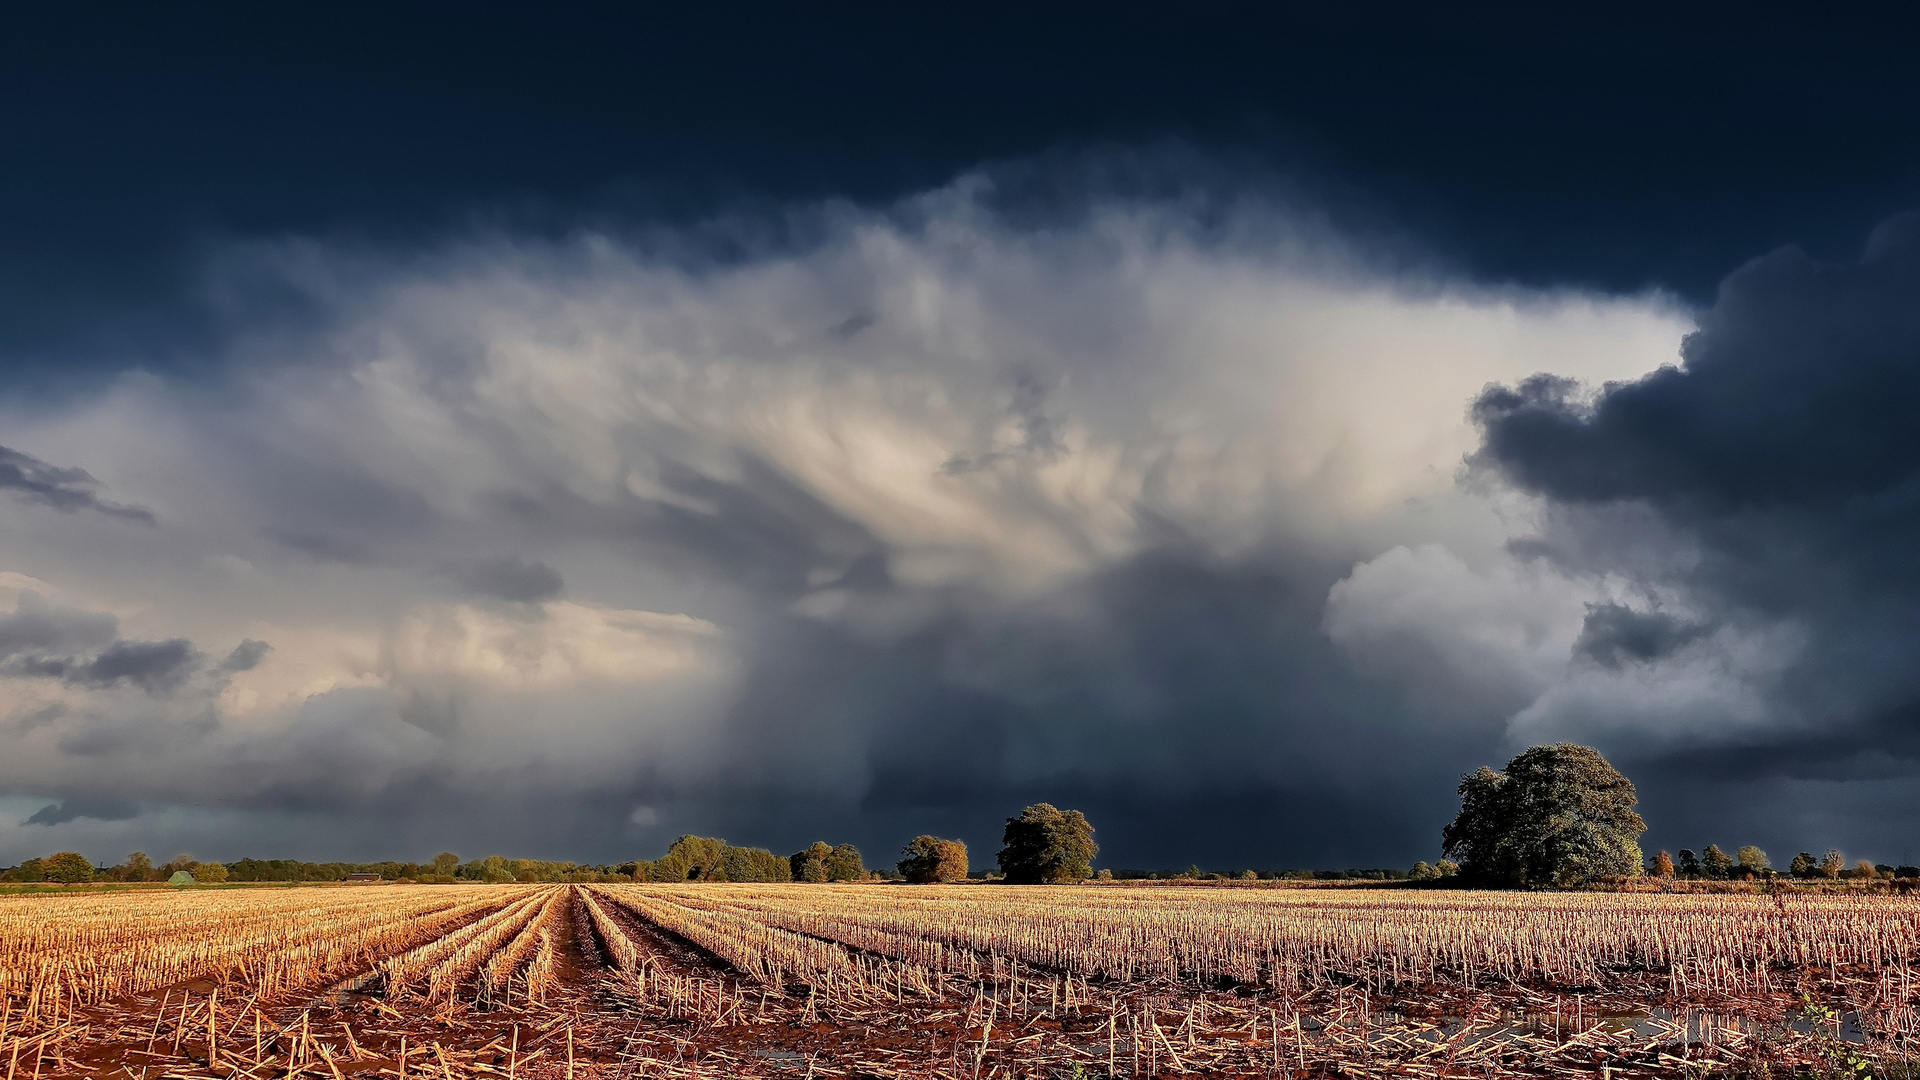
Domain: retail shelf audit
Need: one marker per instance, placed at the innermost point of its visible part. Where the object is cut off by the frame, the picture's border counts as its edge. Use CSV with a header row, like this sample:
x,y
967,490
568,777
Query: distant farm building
x,y
180,877
364,878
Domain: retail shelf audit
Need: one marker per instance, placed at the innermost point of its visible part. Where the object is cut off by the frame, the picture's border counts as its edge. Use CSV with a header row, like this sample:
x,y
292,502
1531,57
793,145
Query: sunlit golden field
x,y
923,981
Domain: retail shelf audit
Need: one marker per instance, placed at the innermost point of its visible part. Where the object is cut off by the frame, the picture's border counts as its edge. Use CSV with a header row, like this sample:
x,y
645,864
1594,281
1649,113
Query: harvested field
x,y
947,981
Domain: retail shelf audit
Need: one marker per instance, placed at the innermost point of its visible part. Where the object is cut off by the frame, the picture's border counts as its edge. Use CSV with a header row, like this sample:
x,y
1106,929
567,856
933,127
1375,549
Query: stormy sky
x,y
551,432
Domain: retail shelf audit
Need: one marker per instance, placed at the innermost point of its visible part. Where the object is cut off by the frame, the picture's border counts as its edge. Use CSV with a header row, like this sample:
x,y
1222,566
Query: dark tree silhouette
x,y
810,865
1047,846
1716,863
843,864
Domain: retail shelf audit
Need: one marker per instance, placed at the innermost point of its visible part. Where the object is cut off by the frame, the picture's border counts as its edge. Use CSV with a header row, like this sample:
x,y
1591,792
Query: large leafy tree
x,y
690,858
68,867
810,864
929,860
819,862
751,865
1555,817
1047,846
843,864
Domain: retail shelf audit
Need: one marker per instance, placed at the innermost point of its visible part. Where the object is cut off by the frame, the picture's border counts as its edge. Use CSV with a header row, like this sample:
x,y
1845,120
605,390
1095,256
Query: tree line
x,y
1043,845
446,868
705,858
1554,817
1751,864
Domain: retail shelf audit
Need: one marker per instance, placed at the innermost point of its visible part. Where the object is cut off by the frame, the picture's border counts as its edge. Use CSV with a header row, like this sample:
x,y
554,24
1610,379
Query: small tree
x,y
445,863
208,873
1804,865
929,859
494,870
690,858
136,868
1421,872
810,865
1689,863
1753,860
1864,870
1047,846
1832,864
68,867
1715,862
1662,865
1446,868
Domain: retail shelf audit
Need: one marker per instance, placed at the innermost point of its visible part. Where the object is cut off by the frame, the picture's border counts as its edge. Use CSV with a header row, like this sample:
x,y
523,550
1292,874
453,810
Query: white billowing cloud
x,y
1719,689
1470,644
1500,646
989,412
1077,380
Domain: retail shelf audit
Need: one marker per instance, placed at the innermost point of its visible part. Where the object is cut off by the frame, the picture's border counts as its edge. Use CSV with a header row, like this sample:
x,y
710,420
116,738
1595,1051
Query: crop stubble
x,y
956,981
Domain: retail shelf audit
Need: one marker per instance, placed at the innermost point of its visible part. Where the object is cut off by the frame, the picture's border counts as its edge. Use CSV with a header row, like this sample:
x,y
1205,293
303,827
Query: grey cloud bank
x,y
1765,486
568,548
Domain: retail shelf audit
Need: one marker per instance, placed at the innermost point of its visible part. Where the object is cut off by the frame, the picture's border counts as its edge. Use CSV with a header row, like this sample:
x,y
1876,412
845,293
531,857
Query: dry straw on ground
x,y
946,981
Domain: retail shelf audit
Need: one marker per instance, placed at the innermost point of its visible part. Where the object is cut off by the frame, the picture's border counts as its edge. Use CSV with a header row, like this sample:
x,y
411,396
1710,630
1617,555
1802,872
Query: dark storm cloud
x,y
151,665
1780,467
83,649
38,641
1614,634
1421,108
523,581
1798,392
246,656
104,808
66,489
